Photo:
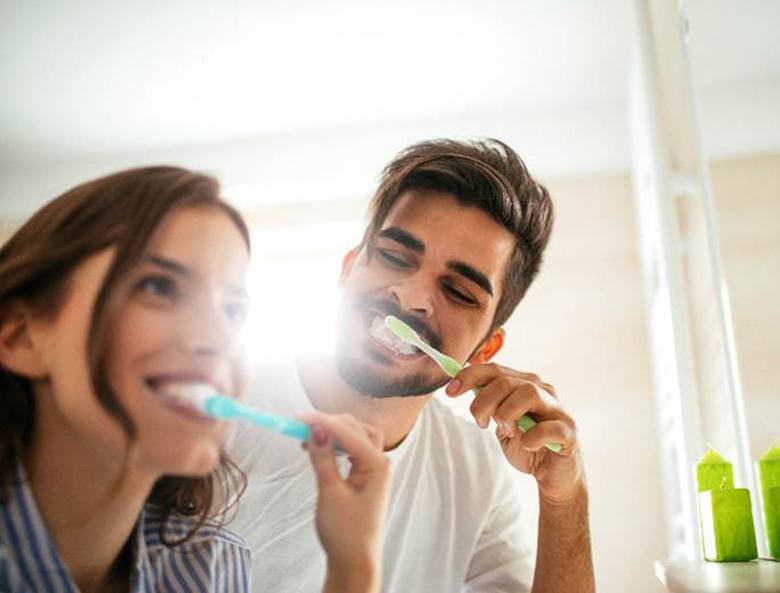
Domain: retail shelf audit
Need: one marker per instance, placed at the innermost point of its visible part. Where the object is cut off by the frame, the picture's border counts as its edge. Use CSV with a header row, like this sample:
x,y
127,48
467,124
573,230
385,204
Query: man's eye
x,y
158,286
393,260
458,295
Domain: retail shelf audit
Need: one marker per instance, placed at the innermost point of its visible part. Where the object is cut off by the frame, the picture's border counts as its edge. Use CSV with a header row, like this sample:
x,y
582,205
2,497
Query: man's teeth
x,y
379,331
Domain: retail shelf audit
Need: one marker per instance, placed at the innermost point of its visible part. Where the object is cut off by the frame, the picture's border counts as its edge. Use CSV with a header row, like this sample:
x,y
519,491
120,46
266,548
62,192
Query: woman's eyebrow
x,y
169,264
182,270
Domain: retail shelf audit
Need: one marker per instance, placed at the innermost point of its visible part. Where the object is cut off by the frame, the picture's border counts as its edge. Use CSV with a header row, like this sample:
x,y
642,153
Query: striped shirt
x,y
214,559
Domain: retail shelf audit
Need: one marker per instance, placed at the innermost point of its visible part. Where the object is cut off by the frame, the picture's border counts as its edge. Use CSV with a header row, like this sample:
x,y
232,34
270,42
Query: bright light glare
x,y
293,285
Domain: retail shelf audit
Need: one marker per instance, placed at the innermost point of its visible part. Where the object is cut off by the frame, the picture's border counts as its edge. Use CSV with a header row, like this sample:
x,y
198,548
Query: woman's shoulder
x,y
175,553
161,529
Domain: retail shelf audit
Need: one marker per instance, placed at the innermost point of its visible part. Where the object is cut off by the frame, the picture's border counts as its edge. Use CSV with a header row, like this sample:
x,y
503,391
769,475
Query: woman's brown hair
x,y
122,211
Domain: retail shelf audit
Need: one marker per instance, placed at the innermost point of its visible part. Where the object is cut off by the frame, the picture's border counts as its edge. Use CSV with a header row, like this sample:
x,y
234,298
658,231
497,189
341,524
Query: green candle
x,y
768,470
728,534
713,472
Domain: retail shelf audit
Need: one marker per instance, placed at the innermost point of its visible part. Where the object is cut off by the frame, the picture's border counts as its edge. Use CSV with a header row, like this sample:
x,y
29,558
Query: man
x,y
455,236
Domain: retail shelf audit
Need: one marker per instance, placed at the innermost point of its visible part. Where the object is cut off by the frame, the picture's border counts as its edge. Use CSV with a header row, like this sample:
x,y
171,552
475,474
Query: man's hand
x,y
505,395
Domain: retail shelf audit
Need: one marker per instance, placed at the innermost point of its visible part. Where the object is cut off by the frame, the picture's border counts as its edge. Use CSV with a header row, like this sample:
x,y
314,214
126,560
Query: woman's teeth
x,y
181,392
379,332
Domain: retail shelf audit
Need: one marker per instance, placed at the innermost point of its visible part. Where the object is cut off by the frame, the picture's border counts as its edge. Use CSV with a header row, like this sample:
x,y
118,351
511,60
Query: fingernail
x,y
506,428
453,387
320,436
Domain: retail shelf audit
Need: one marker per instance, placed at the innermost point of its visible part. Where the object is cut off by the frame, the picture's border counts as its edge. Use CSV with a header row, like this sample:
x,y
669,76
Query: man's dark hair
x,y
485,174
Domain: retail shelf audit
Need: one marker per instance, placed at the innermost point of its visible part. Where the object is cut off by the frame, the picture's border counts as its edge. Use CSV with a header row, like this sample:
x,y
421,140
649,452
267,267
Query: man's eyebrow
x,y
472,274
404,238
182,270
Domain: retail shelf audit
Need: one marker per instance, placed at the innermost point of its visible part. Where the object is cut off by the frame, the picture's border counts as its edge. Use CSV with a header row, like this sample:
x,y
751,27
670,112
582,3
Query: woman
x,y
112,296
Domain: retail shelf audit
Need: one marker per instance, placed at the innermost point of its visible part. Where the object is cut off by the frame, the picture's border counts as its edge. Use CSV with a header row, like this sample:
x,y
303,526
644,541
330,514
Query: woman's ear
x,y
489,347
19,352
347,263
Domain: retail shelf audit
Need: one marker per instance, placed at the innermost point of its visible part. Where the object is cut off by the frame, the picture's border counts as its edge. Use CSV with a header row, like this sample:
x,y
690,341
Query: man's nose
x,y
414,294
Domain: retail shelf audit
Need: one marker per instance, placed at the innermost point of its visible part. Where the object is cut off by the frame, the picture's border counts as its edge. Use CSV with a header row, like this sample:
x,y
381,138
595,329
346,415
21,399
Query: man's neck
x,y
328,392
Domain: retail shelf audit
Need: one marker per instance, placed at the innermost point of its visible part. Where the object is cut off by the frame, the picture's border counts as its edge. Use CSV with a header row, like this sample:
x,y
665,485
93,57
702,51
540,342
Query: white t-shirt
x,y
454,522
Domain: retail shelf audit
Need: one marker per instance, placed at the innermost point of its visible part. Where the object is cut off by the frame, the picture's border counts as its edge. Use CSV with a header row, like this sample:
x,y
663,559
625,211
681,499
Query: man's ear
x,y
19,351
347,263
489,347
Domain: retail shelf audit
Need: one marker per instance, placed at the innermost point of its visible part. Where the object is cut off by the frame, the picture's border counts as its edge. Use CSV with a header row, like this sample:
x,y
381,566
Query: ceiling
x,y
85,79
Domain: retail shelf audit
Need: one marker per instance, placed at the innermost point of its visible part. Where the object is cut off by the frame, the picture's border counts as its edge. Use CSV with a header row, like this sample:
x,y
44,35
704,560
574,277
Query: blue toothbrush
x,y
206,400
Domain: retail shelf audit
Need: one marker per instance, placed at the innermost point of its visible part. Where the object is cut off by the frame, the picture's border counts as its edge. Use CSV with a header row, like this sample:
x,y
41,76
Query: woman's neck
x,y
89,499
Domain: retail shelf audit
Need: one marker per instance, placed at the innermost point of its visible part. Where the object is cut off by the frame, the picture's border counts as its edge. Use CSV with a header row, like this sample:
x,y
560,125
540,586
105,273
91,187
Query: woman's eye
x,y
158,286
237,312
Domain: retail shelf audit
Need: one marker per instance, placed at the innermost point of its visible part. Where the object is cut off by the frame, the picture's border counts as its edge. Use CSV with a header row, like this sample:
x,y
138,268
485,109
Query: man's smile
x,y
389,342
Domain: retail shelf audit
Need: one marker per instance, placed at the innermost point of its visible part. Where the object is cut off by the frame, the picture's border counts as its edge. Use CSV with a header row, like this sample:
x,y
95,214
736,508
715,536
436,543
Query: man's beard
x,y
368,381
371,383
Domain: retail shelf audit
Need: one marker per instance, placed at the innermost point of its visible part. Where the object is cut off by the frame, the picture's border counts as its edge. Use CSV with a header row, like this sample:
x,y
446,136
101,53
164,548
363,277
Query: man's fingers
x,y
507,398
471,377
550,431
479,375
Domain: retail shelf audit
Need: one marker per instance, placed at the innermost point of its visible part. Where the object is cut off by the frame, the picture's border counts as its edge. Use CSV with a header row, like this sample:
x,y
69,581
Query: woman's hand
x,y
350,511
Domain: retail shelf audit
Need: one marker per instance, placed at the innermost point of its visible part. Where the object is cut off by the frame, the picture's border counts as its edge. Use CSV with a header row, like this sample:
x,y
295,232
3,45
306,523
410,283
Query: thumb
x,y
320,446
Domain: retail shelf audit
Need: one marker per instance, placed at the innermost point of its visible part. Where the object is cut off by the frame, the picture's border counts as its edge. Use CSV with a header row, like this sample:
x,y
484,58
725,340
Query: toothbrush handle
x,y
229,409
526,423
285,426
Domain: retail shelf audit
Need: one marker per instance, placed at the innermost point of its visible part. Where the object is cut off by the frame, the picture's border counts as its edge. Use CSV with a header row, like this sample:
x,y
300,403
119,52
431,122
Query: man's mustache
x,y
390,307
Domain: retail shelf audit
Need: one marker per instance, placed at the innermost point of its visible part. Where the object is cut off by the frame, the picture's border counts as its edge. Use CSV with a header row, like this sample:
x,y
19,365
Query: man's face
x,y
438,266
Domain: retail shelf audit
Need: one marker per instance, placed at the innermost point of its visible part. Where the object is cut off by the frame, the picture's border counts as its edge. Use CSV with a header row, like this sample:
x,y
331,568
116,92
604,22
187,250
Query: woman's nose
x,y
209,329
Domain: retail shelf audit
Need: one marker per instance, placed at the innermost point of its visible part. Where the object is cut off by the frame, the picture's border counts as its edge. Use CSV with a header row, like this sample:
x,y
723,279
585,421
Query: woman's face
x,y
174,321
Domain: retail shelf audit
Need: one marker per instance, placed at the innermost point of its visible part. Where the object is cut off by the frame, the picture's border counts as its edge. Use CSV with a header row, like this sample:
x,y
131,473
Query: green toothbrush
x,y
448,364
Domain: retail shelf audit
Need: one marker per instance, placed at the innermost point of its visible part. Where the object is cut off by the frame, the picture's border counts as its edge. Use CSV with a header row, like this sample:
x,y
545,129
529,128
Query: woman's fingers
x,y
320,448
363,443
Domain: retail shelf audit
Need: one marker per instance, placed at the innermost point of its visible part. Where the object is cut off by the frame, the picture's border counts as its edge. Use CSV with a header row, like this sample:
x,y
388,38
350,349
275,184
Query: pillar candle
x,y
728,534
713,472
768,470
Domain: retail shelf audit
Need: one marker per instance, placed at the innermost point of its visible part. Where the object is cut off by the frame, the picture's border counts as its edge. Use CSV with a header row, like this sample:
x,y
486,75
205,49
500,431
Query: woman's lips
x,y
159,387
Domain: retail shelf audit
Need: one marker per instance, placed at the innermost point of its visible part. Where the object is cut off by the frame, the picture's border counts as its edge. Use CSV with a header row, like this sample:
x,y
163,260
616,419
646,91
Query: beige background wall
x,y
583,327
747,196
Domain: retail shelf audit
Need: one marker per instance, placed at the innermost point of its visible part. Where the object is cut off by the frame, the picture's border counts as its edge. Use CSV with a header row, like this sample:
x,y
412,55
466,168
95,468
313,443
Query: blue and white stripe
x,y
213,560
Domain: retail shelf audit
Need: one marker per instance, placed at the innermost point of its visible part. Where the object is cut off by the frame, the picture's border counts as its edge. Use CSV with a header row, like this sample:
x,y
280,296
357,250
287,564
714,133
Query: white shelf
x,y
758,576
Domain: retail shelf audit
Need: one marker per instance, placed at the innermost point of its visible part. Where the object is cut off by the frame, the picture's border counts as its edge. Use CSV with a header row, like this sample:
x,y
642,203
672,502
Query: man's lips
x,y
385,349
387,342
